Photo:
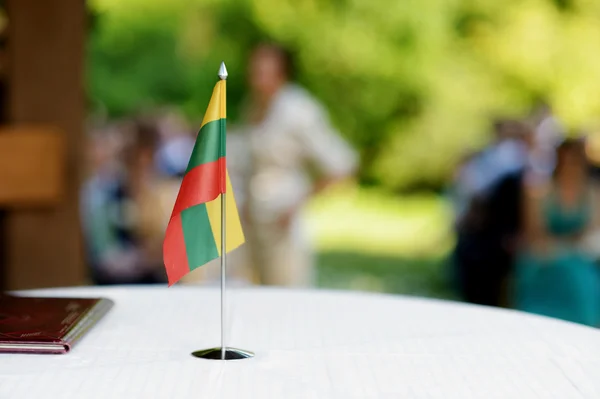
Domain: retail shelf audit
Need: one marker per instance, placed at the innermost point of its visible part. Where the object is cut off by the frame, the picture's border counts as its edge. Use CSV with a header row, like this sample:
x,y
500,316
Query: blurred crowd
x,y
283,152
135,168
528,223
526,217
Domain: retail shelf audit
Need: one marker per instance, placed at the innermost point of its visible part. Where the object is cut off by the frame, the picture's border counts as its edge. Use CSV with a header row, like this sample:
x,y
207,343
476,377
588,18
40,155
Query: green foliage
x,y
425,277
371,221
411,83
369,240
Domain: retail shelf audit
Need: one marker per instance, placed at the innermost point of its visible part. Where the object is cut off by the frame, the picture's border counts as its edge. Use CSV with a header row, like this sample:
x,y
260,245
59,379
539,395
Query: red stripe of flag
x,y
202,184
174,251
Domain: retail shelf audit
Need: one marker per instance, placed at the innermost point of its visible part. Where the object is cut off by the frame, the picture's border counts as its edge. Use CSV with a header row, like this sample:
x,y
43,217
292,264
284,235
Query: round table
x,y
309,344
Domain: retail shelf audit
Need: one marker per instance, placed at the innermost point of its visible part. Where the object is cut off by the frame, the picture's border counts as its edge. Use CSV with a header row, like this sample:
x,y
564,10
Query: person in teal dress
x,y
555,275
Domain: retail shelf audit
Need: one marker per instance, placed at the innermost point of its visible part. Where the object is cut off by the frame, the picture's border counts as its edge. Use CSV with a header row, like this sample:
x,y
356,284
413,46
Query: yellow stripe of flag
x,y
217,105
235,234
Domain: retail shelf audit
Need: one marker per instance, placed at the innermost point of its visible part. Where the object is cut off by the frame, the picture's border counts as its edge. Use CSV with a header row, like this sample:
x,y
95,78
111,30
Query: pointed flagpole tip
x,y
223,71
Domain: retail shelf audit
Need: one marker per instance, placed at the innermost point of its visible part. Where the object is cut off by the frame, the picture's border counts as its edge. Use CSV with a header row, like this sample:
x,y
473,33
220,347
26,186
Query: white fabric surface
x,y
310,344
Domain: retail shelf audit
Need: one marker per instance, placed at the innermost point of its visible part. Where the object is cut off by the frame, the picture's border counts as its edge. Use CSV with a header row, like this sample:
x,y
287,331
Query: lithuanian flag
x,y
193,235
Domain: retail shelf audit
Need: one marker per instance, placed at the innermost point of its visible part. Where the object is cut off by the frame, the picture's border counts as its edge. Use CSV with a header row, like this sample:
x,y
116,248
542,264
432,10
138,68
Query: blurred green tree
x,y
412,84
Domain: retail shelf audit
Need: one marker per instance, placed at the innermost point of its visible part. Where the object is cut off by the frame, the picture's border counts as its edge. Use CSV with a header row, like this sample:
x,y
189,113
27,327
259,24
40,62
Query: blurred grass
x,y
370,240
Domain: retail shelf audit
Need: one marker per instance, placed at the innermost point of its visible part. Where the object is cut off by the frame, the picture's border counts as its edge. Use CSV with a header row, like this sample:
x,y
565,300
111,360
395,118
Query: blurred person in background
x,y
556,275
488,189
460,190
118,214
153,194
294,154
176,143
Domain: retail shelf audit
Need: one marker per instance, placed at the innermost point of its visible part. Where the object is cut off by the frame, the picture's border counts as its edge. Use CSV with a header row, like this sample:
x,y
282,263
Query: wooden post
x,y
32,167
46,87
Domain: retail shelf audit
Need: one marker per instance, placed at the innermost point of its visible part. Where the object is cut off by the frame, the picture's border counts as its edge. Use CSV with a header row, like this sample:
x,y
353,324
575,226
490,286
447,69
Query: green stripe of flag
x,y
210,144
199,240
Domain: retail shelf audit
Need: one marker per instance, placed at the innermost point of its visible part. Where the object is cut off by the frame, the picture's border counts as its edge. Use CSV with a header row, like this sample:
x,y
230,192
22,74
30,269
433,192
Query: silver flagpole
x,y
223,353
223,275
223,76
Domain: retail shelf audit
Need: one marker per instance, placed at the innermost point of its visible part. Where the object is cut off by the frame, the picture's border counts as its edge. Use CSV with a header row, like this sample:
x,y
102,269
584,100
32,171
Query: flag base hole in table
x,y
230,354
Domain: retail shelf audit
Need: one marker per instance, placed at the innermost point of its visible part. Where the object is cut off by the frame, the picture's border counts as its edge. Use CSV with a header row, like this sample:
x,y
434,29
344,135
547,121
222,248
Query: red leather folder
x,y
47,325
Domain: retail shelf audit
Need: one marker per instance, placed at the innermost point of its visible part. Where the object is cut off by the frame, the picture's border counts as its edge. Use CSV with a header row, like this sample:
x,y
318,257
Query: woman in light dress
x,y
294,153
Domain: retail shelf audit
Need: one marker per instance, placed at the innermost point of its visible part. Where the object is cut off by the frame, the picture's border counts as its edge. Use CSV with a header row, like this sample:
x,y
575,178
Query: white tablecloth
x,y
310,344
